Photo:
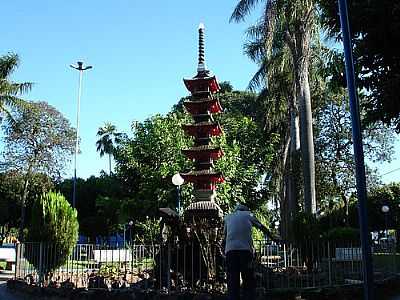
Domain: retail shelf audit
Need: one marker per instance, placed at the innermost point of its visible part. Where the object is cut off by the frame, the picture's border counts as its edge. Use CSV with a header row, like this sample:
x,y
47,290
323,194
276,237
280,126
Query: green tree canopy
x,y
98,202
11,184
375,31
284,36
39,140
335,160
149,158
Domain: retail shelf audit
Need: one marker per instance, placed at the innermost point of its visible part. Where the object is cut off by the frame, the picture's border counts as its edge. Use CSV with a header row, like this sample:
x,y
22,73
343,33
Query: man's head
x,y
241,207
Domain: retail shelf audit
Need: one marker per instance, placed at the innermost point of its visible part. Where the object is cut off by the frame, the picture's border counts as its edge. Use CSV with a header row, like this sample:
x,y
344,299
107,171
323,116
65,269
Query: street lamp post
x,y
130,223
80,68
385,209
368,279
177,180
130,230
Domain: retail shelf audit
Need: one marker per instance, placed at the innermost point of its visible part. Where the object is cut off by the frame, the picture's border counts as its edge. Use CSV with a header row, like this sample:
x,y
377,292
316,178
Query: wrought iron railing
x,y
180,266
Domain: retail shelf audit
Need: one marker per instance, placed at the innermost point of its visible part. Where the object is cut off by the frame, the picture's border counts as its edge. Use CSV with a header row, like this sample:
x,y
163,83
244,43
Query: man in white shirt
x,y
239,251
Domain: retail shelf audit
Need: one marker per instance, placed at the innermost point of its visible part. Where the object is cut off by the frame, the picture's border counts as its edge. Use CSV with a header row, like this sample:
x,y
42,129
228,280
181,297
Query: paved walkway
x,y
6,295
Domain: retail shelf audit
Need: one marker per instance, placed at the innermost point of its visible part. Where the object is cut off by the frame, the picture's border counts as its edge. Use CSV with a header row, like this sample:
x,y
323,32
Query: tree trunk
x,y
290,171
284,204
109,162
301,64
307,144
23,203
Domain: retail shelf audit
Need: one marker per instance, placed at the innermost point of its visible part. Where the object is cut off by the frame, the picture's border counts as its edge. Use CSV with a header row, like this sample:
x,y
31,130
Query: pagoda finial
x,y
201,68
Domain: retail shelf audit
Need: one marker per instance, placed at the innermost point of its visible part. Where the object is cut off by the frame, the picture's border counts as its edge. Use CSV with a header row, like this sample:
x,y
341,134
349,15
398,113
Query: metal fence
x,y
180,266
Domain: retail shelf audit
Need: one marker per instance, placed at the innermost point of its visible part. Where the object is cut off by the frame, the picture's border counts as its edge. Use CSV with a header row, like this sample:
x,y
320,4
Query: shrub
x,y
305,227
343,234
54,226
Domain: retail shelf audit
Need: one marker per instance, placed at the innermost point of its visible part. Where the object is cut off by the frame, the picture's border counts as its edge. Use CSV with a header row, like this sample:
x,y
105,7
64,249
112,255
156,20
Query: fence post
x,y
394,257
132,247
284,255
41,264
17,260
169,267
329,264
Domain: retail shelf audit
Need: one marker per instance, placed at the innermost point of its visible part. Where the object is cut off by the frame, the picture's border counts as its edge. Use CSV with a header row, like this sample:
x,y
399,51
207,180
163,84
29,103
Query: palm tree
x,y
284,33
108,137
10,91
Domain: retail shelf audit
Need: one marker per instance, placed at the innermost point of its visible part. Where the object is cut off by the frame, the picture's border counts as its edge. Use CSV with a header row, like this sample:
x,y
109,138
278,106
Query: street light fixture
x,y
177,180
130,223
385,209
80,68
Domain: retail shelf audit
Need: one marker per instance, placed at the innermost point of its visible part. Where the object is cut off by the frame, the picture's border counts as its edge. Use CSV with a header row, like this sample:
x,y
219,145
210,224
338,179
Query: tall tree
x,y
108,137
11,184
295,22
335,162
149,158
10,91
375,28
278,95
98,203
39,140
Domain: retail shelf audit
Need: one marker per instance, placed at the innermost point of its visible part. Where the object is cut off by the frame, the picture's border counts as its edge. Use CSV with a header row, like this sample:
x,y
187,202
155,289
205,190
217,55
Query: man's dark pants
x,y
240,262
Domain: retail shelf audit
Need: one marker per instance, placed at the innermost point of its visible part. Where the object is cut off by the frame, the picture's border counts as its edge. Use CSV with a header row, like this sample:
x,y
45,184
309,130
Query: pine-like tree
x,y
53,230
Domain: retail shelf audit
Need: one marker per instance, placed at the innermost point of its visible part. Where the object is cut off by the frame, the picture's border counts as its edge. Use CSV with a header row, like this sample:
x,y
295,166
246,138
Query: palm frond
x,y
259,79
255,50
241,10
256,31
108,135
13,102
8,63
20,88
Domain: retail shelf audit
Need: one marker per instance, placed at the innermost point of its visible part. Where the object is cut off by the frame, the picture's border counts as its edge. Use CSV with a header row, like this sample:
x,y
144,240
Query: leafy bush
x,y
305,227
343,234
54,225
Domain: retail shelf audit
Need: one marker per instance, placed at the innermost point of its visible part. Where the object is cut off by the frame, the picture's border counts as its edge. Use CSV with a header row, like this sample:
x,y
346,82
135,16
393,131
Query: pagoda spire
x,y
201,68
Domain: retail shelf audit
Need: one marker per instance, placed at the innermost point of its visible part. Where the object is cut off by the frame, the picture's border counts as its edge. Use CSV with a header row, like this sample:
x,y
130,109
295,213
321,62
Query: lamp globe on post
x,y
130,223
177,180
385,209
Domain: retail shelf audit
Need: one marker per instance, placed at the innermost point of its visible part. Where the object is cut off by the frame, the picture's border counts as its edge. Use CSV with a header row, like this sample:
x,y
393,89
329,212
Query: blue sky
x,y
140,51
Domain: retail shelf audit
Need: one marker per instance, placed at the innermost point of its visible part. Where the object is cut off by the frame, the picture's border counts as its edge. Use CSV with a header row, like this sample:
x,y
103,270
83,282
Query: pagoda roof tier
x,y
199,106
206,117
198,95
203,152
203,209
204,165
202,129
208,83
203,176
200,141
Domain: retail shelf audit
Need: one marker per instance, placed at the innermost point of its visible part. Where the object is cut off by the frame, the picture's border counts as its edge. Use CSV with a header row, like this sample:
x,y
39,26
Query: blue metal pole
x,y
178,198
124,236
358,154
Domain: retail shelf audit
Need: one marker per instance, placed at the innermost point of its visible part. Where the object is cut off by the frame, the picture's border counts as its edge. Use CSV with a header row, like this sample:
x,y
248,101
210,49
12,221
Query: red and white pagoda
x,y
202,105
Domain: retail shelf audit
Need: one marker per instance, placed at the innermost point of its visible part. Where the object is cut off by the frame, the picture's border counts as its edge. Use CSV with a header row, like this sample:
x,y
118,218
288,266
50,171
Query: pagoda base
x,y
204,195
204,210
